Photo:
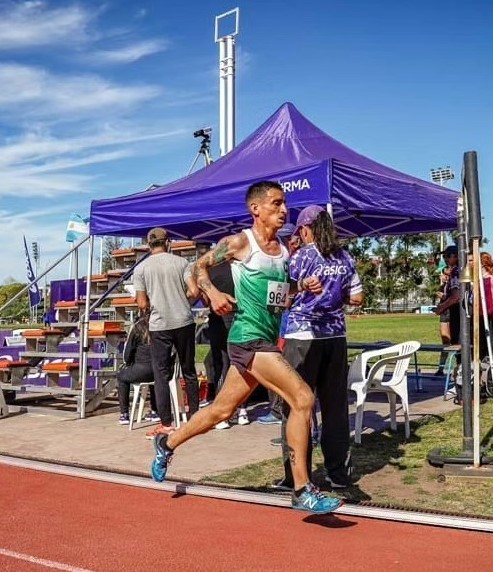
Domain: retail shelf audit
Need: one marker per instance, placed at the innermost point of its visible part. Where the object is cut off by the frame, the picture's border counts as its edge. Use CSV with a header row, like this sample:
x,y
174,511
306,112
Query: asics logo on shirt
x,y
335,270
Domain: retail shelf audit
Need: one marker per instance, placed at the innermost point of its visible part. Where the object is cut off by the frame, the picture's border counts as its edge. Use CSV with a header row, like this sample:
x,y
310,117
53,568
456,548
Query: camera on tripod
x,y
203,132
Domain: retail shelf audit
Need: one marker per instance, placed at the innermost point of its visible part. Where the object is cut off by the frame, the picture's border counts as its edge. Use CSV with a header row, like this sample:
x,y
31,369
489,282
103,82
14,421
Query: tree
x,y
367,266
110,243
19,309
397,268
389,286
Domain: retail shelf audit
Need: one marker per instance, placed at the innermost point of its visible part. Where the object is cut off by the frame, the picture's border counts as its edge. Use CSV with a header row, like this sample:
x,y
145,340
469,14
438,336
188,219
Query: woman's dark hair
x,y
141,328
324,234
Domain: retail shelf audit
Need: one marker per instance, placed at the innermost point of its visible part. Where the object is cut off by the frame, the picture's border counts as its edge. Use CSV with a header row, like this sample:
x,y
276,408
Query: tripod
x,y
204,150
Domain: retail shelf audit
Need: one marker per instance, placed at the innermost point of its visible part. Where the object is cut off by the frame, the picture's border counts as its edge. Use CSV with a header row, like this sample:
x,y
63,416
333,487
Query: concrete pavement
x,y
100,441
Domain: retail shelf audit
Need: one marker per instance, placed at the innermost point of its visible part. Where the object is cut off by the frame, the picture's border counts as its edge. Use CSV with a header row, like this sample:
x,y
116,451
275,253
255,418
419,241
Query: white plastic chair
x,y
177,405
139,397
364,379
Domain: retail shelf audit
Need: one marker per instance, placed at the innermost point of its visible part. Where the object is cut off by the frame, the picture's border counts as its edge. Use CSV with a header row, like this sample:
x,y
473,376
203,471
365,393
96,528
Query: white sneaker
x,y
223,425
243,417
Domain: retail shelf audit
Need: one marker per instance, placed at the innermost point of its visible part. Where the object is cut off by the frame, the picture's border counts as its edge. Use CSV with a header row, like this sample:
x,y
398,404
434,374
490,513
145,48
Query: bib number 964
x,y
277,296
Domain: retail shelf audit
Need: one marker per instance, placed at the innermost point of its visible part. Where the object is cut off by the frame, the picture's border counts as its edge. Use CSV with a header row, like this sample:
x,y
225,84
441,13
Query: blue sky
x,y
101,99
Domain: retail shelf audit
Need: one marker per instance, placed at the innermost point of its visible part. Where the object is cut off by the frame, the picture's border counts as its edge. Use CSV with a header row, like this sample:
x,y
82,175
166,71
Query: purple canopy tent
x,y
366,198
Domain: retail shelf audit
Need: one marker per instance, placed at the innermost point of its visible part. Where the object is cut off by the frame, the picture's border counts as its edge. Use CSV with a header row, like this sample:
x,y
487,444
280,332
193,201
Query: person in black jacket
x,y
137,368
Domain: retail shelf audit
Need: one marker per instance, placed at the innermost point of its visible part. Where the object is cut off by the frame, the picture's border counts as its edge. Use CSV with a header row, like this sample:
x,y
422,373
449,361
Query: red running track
x,y
52,522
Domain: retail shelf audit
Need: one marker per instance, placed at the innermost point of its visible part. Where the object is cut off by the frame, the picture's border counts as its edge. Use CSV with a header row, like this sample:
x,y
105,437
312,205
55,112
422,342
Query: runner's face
x,y
271,209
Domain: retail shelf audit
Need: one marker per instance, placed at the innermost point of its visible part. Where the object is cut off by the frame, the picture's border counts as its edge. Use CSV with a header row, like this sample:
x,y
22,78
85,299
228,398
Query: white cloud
x,y
128,54
33,147
33,163
30,24
41,93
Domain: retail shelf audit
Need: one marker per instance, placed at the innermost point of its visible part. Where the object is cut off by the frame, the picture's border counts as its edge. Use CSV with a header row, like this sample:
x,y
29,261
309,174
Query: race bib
x,y
277,296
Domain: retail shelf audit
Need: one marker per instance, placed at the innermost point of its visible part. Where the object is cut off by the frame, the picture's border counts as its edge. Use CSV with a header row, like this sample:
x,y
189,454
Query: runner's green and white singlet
x,y
261,290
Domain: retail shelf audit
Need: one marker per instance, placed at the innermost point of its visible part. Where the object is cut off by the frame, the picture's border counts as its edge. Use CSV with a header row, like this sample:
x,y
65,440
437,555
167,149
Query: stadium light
x,y
441,175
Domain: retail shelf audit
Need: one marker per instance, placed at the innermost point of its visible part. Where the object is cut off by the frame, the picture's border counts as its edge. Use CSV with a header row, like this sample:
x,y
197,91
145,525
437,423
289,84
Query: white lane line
x,y
42,562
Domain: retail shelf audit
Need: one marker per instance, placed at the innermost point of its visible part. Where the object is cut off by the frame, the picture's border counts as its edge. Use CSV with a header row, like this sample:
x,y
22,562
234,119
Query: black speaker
x,y
471,183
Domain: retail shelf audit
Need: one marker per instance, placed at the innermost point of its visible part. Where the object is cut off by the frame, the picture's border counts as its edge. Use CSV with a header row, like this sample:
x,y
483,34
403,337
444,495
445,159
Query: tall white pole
x,y
76,272
227,116
70,262
222,97
100,255
230,93
84,334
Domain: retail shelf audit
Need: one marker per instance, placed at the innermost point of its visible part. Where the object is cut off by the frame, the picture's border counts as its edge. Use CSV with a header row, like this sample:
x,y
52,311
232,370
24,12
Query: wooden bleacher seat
x,y
69,304
46,338
13,372
33,333
67,308
122,305
102,328
121,251
53,371
128,301
97,278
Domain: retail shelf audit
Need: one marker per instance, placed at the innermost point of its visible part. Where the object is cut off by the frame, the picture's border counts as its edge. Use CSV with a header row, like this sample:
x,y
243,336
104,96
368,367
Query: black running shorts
x,y
241,355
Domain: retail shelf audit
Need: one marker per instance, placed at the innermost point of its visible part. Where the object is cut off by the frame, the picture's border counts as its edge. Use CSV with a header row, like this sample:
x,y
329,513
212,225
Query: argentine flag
x,y
77,227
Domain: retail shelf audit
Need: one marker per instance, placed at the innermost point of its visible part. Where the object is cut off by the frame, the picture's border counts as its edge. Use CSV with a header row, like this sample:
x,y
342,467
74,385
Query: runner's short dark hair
x,y
259,190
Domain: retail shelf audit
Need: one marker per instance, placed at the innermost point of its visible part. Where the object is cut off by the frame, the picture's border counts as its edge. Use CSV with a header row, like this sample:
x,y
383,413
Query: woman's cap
x,y
307,216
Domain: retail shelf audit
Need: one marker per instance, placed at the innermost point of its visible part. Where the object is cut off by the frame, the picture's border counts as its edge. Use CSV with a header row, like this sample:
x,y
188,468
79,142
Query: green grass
x,y
397,328
388,469
394,327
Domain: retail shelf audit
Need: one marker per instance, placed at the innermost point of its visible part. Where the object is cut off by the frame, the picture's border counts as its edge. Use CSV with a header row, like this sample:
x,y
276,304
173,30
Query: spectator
x,y
316,344
487,275
444,320
48,318
164,284
137,368
451,297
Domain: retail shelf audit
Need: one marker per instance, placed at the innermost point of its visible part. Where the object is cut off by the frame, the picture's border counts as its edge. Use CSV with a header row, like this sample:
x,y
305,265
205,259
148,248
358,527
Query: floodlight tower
x,y
227,77
441,175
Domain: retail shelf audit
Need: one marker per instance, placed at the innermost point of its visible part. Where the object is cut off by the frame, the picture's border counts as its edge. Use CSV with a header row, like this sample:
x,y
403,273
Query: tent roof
x,y
367,198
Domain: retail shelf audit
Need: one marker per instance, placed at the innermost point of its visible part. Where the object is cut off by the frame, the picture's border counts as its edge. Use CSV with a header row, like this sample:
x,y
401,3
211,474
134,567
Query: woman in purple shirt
x,y
316,337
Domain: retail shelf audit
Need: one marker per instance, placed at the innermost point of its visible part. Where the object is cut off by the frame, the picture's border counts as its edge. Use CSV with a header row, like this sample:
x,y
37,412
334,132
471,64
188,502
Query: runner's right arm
x,y
229,248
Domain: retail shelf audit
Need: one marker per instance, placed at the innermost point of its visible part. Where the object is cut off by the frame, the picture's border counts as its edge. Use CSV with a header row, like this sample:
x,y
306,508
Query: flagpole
x,y
70,262
34,295
100,255
36,280
76,278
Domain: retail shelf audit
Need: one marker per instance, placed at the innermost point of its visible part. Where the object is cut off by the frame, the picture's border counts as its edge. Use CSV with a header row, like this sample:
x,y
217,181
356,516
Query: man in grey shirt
x,y
163,284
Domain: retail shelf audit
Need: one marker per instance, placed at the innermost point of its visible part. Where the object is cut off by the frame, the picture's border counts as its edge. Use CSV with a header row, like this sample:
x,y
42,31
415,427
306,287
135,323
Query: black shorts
x,y
445,317
241,355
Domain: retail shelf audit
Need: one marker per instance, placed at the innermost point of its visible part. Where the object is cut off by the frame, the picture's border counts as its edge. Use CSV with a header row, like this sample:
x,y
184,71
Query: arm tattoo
x,y
219,254
211,258
204,284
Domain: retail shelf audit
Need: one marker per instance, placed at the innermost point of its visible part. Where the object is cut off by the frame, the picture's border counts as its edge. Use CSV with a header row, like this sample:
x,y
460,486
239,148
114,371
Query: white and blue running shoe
x,y
163,458
312,500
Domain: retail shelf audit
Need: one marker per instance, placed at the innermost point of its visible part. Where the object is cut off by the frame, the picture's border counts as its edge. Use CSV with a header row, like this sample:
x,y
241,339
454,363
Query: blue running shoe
x,y
163,458
312,500
269,419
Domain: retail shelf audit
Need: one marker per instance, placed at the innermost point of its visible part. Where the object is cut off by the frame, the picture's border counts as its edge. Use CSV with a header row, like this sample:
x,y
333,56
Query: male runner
x,y
259,265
